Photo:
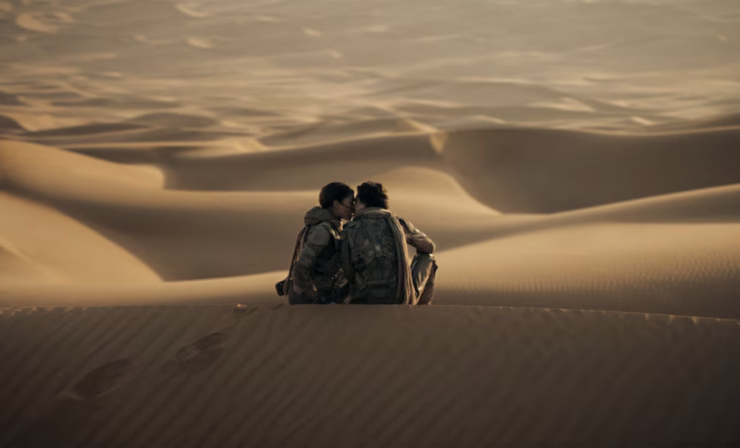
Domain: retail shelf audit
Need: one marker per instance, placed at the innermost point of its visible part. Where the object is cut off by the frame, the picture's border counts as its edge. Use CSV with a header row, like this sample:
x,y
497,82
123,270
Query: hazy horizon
x,y
611,65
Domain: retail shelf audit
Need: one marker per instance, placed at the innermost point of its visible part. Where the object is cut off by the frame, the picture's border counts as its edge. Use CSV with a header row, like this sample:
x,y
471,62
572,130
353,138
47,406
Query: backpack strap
x,y
333,231
299,242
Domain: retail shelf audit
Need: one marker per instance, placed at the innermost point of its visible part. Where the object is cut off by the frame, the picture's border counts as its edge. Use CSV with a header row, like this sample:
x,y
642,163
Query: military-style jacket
x,y
318,264
375,257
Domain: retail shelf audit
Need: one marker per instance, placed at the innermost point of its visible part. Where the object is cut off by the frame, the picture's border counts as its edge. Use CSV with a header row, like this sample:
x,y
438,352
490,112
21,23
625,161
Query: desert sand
x,y
576,162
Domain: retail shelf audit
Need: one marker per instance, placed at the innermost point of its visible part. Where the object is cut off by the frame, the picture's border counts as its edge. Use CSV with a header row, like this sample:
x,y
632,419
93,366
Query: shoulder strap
x,y
299,242
331,229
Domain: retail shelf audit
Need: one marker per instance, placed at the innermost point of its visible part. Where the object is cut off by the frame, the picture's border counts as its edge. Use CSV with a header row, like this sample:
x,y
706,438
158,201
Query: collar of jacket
x,y
317,215
372,213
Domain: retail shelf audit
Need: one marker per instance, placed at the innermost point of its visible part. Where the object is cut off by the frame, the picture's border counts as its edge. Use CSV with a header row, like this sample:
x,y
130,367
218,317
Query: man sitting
x,y
375,257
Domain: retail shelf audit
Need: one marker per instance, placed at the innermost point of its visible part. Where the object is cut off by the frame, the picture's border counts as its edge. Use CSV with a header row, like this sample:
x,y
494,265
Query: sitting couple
x,y
366,262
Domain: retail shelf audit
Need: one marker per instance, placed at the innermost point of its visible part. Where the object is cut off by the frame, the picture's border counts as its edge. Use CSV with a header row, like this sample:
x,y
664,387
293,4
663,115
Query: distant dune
x,y
576,163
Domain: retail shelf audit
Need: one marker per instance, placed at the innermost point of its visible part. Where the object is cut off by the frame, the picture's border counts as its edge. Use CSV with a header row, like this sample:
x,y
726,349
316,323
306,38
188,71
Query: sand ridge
x,y
673,253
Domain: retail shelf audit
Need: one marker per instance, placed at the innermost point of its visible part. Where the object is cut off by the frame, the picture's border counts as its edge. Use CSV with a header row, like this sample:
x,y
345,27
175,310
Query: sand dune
x,y
302,168
116,103
524,170
84,131
246,376
723,121
27,166
7,99
318,133
31,23
186,235
673,254
672,269
574,161
175,120
255,290
60,249
8,124
126,197
715,204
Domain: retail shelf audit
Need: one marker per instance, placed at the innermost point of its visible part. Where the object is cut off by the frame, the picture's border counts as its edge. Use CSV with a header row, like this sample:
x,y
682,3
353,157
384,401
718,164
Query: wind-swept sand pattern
x,y
226,376
576,163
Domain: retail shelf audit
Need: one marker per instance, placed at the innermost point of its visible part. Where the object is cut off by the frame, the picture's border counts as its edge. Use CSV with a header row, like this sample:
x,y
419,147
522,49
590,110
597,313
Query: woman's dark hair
x,y
335,191
372,194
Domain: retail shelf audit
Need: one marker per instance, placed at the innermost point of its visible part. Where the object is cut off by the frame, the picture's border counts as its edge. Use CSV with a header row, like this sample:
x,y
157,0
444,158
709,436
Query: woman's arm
x,y
316,241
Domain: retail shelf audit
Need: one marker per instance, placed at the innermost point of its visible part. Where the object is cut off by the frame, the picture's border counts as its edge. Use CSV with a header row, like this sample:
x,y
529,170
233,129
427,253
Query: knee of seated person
x,y
424,258
427,296
432,260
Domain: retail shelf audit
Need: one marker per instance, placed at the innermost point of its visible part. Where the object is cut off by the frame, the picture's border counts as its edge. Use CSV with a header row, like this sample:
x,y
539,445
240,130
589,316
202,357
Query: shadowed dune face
x,y
575,160
543,171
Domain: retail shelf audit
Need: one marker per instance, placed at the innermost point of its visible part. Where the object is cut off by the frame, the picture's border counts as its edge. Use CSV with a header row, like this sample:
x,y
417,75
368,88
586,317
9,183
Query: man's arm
x,y
316,241
417,238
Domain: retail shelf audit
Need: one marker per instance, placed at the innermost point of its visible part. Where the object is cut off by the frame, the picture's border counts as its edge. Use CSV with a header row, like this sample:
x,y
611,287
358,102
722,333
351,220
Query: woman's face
x,y
359,205
344,209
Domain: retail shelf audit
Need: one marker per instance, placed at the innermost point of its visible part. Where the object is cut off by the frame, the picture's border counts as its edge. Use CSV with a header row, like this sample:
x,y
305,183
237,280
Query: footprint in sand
x,y
101,381
197,357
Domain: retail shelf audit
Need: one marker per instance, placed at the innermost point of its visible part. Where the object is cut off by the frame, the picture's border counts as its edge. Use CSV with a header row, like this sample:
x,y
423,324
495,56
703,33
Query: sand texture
x,y
433,376
577,163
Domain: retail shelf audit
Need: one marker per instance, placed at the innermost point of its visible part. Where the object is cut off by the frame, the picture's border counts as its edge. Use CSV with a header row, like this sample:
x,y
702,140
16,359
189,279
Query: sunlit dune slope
x,y
671,253
186,235
685,269
39,244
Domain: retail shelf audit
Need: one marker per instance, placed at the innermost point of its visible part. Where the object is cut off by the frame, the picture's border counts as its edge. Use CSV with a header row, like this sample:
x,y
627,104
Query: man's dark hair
x,y
372,194
335,191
